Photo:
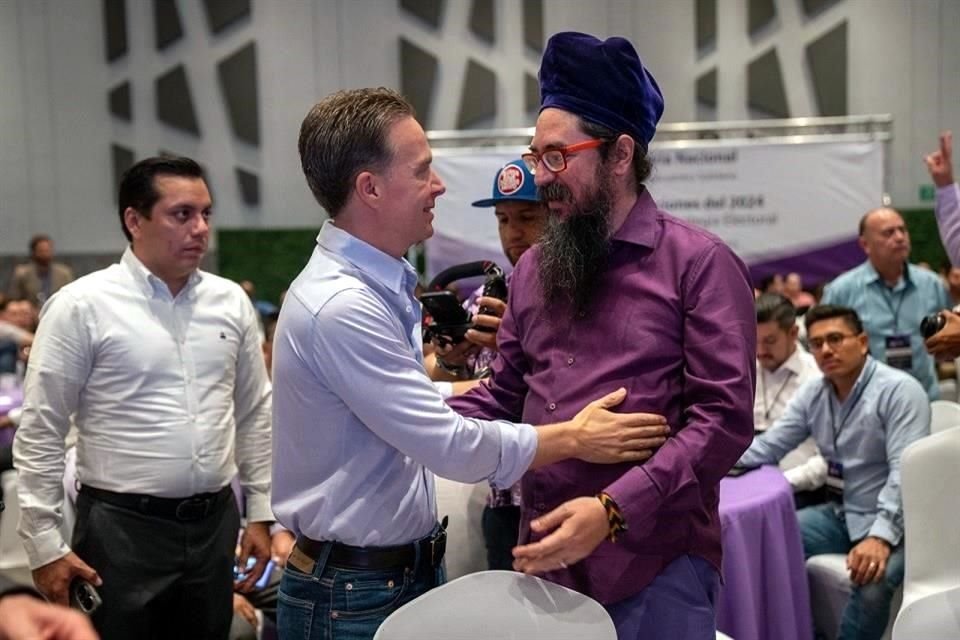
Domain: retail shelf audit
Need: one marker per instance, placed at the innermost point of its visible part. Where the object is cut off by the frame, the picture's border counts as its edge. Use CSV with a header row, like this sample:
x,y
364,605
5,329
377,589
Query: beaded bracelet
x,y
615,519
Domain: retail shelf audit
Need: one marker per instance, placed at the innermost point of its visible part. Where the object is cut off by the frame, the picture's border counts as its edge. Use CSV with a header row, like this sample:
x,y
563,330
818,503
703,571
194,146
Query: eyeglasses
x,y
556,159
833,340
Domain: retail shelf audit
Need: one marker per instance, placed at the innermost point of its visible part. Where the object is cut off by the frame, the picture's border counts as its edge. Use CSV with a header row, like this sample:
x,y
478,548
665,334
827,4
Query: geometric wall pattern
x,y
482,20
166,23
172,95
477,83
173,101
430,11
824,60
418,74
222,13
238,83
827,59
115,28
765,92
479,99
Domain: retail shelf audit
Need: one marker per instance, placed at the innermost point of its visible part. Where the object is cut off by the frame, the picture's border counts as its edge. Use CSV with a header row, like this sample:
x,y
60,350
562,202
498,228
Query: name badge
x,y
834,481
899,354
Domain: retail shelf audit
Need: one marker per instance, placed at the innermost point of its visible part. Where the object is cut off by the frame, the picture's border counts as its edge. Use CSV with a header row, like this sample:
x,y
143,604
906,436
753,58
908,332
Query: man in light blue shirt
x,y
862,414
358,425
892,297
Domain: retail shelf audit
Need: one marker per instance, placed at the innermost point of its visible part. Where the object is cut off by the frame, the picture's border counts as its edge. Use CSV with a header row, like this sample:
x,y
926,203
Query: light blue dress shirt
x,y
898,311
885,411
358,425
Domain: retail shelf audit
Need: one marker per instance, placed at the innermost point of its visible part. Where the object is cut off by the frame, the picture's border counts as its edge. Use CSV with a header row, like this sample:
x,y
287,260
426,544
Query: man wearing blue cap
x,y
521,217
618,292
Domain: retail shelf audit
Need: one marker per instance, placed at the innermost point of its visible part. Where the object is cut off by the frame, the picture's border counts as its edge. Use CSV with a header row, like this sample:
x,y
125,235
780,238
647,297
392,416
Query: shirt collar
x,y
149,283
865,374
385,269
640,226
793,364
873,276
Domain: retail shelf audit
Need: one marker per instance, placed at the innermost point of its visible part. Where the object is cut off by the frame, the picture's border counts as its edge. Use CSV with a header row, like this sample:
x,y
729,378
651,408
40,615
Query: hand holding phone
x,y
83,596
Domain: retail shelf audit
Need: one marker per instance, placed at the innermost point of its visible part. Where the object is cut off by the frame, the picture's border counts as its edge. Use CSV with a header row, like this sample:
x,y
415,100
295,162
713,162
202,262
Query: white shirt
x,y
162,390
358,426
804,468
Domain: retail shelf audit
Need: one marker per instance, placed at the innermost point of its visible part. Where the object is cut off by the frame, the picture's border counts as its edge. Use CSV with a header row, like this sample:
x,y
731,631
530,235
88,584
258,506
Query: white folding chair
x,y
500,604
12,553
931,587
830,589
944,415
463,504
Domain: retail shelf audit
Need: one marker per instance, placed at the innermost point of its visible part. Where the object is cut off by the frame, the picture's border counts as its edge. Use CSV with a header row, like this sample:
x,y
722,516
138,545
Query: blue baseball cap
x,y
513,182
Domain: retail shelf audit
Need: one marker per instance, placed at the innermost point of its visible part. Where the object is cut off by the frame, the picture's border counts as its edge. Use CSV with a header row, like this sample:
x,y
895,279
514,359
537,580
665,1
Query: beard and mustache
x,y
574,250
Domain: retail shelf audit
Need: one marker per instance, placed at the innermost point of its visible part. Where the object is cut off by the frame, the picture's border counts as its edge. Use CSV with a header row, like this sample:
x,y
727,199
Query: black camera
x,y
448,321
932,324
83,596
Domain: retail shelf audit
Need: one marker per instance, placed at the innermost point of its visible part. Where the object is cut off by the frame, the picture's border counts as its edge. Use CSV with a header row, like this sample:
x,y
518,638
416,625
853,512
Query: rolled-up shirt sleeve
x,y
361,342
720,352
60,363
947,209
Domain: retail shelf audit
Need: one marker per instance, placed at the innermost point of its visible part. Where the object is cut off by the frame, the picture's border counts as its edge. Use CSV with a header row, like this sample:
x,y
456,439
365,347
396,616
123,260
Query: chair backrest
x,y
500,604
931,616
944,415
930,476
463,504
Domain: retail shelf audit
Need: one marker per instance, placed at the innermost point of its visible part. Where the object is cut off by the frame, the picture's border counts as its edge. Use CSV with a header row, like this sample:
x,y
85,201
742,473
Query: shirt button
x,y
409,309
540,506
570,360
349,586
552,406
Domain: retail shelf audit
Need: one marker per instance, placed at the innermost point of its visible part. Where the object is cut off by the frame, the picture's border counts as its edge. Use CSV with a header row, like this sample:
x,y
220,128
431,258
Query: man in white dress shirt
x,y
783,366
159,364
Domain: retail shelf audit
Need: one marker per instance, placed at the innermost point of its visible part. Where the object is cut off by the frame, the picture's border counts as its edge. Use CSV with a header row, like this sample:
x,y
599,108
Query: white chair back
x,y
499,604
944,415
931,589
12,553
463,503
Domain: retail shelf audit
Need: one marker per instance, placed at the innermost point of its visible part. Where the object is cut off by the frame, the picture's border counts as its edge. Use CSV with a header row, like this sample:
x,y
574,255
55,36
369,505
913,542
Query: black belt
x,y
195,507
431,549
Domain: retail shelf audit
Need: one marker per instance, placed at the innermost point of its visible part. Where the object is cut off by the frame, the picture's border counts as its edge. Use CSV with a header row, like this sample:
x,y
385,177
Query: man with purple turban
x,y
620,293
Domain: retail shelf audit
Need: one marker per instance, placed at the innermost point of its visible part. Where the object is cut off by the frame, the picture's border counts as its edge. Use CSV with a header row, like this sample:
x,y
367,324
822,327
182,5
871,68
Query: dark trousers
x,y
162,578
501,529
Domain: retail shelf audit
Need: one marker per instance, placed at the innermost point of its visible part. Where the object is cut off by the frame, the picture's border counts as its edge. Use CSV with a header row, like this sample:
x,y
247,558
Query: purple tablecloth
x,y
765,593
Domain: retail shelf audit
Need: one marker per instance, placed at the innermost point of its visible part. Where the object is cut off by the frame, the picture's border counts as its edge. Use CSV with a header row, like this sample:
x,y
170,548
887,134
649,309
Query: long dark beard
x,y
574,251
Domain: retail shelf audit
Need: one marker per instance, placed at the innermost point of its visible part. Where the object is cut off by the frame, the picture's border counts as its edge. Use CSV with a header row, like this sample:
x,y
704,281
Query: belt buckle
x,y
192,509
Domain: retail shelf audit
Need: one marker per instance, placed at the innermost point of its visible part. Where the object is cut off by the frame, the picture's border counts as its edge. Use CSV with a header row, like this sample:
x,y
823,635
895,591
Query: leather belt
x,y
195,507
432,549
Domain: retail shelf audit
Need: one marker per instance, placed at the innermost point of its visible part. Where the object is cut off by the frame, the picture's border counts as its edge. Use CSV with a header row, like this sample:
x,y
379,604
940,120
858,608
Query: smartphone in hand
x,y
84,597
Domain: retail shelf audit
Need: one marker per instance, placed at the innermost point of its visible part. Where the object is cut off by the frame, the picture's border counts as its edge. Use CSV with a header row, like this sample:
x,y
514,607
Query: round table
x,y
765,593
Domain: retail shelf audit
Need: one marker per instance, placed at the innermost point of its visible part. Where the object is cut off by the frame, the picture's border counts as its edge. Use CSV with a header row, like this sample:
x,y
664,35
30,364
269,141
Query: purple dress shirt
x,y
673,321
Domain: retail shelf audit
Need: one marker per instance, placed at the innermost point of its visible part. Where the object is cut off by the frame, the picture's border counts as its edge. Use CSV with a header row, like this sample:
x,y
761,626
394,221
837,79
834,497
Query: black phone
x,y
83,596
449,321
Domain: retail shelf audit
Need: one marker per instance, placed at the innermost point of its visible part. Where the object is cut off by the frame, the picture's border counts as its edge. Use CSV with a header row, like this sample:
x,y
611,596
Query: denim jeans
x,y
868,610
335,603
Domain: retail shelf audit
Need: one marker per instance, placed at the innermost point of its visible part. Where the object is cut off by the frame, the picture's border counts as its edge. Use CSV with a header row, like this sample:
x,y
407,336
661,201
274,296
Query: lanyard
x,y
763,393
833,421
887,297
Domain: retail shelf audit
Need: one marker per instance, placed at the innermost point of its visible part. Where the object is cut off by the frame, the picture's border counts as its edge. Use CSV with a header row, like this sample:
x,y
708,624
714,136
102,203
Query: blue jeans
x,y
867,612
335,603
680,604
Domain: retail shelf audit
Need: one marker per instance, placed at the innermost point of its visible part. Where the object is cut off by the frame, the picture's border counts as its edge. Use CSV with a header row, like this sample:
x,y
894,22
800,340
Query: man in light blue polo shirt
x,y
892,297
862,415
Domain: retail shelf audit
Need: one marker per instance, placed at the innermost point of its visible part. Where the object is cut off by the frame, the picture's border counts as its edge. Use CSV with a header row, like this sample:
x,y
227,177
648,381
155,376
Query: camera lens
x,y
931,324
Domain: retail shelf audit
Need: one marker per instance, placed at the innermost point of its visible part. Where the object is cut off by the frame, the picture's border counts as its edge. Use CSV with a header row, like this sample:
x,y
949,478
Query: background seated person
x,y
783,366
862,414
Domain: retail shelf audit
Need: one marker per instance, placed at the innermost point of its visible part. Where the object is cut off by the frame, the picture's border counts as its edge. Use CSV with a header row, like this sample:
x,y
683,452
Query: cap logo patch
x,y
510,180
